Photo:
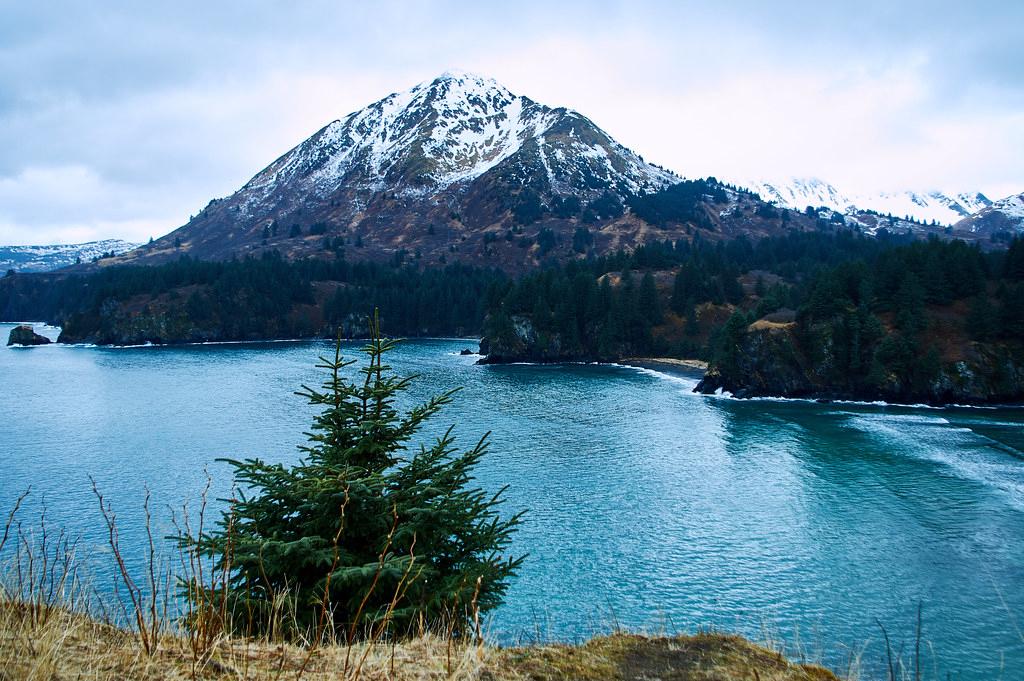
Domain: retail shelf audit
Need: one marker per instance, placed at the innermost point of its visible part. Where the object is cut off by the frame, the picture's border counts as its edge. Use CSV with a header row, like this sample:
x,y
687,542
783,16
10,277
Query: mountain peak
x,y
460,75
462,83
450,131
458,154
458,93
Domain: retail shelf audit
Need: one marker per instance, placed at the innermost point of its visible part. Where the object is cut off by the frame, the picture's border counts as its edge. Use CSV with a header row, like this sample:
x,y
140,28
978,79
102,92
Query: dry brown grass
x,y
70,646
770,326
703,657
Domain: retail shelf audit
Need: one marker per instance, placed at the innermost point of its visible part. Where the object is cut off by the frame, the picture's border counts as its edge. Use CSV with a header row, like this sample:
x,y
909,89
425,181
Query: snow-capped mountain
x,y
457,154
46,258
452,130
798,193
1004,216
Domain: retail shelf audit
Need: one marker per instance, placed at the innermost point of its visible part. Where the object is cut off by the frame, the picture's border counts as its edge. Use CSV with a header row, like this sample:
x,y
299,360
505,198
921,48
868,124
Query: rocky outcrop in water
x,y
517,339
516,342
26,335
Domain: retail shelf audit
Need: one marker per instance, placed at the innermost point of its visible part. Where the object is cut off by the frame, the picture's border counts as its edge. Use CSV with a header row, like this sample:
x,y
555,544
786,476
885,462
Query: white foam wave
x,y
672,378
963,452
861,403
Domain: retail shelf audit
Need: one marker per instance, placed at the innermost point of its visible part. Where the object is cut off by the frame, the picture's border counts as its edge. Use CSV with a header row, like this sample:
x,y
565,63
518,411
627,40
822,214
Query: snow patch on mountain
x,y
798,193
52,257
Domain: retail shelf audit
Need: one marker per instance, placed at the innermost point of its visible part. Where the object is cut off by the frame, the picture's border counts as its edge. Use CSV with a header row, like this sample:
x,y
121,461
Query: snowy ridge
x,y
1005,215
52,257
1011,206
441,133
798,193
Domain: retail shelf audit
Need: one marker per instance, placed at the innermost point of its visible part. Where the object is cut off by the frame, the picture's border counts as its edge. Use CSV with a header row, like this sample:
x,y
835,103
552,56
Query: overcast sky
x,y
123,119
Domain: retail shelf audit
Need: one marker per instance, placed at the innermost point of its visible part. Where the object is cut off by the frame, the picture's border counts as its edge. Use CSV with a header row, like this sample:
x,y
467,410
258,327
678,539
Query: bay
x,y
649,507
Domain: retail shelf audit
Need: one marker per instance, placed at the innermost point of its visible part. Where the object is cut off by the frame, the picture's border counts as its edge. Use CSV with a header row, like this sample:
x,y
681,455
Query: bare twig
x,y
147,635
10,516
917,645
888,650
325,602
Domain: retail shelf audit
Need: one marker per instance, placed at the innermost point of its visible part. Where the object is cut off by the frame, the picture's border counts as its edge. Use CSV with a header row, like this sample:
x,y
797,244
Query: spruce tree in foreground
x,y
392,539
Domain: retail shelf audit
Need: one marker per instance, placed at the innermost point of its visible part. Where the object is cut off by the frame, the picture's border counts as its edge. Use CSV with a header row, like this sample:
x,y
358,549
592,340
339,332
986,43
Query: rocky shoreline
x,y
772,362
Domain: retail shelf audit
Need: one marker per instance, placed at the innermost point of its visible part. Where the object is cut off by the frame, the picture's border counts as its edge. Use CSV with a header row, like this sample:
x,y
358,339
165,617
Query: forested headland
x,y
804,315
251,299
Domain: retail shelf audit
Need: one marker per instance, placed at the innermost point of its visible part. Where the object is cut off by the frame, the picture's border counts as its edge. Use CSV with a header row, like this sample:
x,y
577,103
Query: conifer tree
x,y
982,319
692,325
686,289
1013,263
728,350
361,531
648,302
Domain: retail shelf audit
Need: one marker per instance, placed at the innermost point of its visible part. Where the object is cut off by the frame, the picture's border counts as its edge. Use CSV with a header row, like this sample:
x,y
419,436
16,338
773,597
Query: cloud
x,y
122,119
69,204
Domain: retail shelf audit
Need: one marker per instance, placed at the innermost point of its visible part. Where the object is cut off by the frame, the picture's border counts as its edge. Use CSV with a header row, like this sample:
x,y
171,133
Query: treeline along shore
x,y
818,314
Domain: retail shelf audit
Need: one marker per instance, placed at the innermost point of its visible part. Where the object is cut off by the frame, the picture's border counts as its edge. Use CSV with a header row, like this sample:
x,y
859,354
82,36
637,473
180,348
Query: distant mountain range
x,y
798,193
46,258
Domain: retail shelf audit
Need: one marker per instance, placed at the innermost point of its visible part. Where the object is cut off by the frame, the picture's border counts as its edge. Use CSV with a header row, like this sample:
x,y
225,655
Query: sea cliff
x,y
785,360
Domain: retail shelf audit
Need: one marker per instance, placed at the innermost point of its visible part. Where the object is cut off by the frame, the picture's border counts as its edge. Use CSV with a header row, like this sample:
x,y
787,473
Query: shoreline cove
x,y
667,367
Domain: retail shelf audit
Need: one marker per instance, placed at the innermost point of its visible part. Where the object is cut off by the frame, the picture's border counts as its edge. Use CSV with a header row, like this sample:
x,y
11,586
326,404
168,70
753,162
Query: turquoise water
x,y
649,507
